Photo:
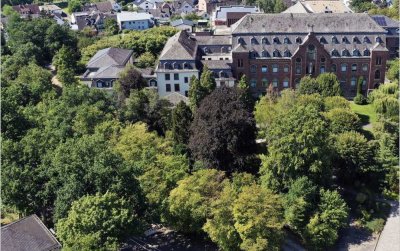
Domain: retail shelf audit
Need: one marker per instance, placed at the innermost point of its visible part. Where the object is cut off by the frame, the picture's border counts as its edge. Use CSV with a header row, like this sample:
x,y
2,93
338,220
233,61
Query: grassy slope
x,y
366,113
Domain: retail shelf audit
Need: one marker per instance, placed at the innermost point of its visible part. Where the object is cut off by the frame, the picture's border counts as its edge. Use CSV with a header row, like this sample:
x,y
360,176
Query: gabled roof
x,y
297,8
132,16
111,72
379,47
110,56
301,22
180,46
26,234
180,22
385,21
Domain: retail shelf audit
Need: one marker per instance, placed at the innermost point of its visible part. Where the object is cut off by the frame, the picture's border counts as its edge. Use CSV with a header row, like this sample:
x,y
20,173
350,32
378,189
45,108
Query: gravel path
x,y
390,236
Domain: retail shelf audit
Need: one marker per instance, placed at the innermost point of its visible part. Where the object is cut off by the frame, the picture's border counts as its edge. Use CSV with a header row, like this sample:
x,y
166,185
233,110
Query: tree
x,y
66,76
246,94
223,131
359,99
7,10
129,79
342,120
279,6
393,71
325,84
190,202
74,6
308,85
336,102
111,26
207,80
258,218
181,120
196,93
322,231
97,222
147,59
65,58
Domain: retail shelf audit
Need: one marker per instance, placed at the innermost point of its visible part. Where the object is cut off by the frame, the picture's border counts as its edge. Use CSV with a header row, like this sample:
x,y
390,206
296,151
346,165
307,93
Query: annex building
x,y
280,49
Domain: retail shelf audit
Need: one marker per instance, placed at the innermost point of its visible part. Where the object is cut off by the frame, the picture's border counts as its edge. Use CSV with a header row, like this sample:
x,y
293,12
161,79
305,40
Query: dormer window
x,y
276,40
345,40
176,65
264,40
322,40
356,53
253,54
253,40
366,40
287,54
366,53
335,40
276,54
298,40
286,40
378,40
356,40
265,54
186,65
240,41
335,53
345,53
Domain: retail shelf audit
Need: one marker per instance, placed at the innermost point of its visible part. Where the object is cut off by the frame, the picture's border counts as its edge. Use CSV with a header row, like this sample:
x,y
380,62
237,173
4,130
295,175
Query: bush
x,y
375,225
360,99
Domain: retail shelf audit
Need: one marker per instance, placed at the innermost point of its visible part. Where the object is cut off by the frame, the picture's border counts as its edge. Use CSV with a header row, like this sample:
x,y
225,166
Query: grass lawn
x,y
366,113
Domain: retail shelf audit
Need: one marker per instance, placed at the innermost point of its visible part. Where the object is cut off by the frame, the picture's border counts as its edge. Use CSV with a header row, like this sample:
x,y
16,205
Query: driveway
x,y
390,236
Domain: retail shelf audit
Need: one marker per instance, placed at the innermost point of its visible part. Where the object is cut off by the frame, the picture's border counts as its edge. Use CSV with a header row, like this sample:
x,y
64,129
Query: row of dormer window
x,y
287,53
177,66
298,40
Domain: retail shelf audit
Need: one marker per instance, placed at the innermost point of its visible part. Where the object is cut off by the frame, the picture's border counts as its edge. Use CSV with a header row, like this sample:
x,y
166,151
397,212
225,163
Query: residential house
x,y
51,9
183,24
392,35
103,7
104,67
27,10
92,19
134,20
30,234
210,5
228,15
147,4
320,6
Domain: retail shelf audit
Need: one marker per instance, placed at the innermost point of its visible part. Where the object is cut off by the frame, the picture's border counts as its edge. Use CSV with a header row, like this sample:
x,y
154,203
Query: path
x,y
390,236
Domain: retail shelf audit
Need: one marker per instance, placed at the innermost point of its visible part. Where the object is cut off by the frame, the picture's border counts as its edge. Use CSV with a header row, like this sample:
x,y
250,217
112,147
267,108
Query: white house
x,y
183,24
134,20
51,9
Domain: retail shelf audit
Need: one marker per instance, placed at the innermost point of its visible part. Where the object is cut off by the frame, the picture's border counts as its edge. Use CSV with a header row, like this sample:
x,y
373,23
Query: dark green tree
x,y
111,26
181,120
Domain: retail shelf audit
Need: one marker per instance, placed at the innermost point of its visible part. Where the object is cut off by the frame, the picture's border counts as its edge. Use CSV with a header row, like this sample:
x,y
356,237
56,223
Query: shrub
x,y
359,99
375,225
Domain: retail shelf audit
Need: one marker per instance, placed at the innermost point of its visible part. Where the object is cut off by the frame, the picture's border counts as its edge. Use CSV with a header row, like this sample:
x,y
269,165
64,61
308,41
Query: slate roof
x,y
180,22
301,22
175,98
180,46
214,40
100,6
110,56
318,6
49,7
297,8
85,19
385,21
28,234
217,64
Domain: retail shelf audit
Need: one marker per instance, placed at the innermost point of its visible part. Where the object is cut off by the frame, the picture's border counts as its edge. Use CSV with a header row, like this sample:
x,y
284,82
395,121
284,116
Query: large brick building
x,y
282,48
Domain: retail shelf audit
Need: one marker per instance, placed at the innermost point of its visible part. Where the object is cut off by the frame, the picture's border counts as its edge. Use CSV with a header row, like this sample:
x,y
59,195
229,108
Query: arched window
x,y
354,67
264,40
366,53
322,69
345,53
286,83
276,54
356,40
298,40
276,40
335,40
353,81
322,40
311,52
286,40
253,68
287,54
265,54
264,82
356,53
253,40
345,40
377,74
333,68
253,83
335,53
366,40
264,69
223,74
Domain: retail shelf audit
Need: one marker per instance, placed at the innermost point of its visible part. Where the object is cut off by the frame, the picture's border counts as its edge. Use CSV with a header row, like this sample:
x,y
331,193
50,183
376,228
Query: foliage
x,y
145,60
223,131
7,10
192,17
385,100
322,231
243,85
181,120
258,219
97,222
130,78
393,71
325,84
341,120
376,225
336,102
190,202
74,6
359,98
111,26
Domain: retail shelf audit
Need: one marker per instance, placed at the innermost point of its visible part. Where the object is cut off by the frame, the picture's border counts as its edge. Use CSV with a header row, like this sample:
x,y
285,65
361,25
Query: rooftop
x,y
319,6
221,11
110,56
181,46
28,233
132,16
304,23
181,21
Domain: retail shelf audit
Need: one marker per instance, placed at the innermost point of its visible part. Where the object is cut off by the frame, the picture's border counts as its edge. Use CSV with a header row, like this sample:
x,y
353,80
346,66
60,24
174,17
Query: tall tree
x,y
243,85
129,79
207,80
223,131
196,93
181,120
111,26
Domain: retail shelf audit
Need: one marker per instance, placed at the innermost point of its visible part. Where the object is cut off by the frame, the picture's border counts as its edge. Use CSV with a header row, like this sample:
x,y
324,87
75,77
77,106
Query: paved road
x,y
390,236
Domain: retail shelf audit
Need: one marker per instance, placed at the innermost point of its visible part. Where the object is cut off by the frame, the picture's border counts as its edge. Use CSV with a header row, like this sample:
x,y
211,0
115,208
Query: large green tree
x,y
181,120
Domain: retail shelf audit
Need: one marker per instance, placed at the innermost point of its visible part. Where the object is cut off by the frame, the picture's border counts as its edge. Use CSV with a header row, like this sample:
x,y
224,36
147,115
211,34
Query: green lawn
x,y
366,113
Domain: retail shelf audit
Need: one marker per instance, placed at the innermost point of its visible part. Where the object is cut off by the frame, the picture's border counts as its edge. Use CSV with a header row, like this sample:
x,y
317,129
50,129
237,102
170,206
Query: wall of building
x,y
182,81
135,25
